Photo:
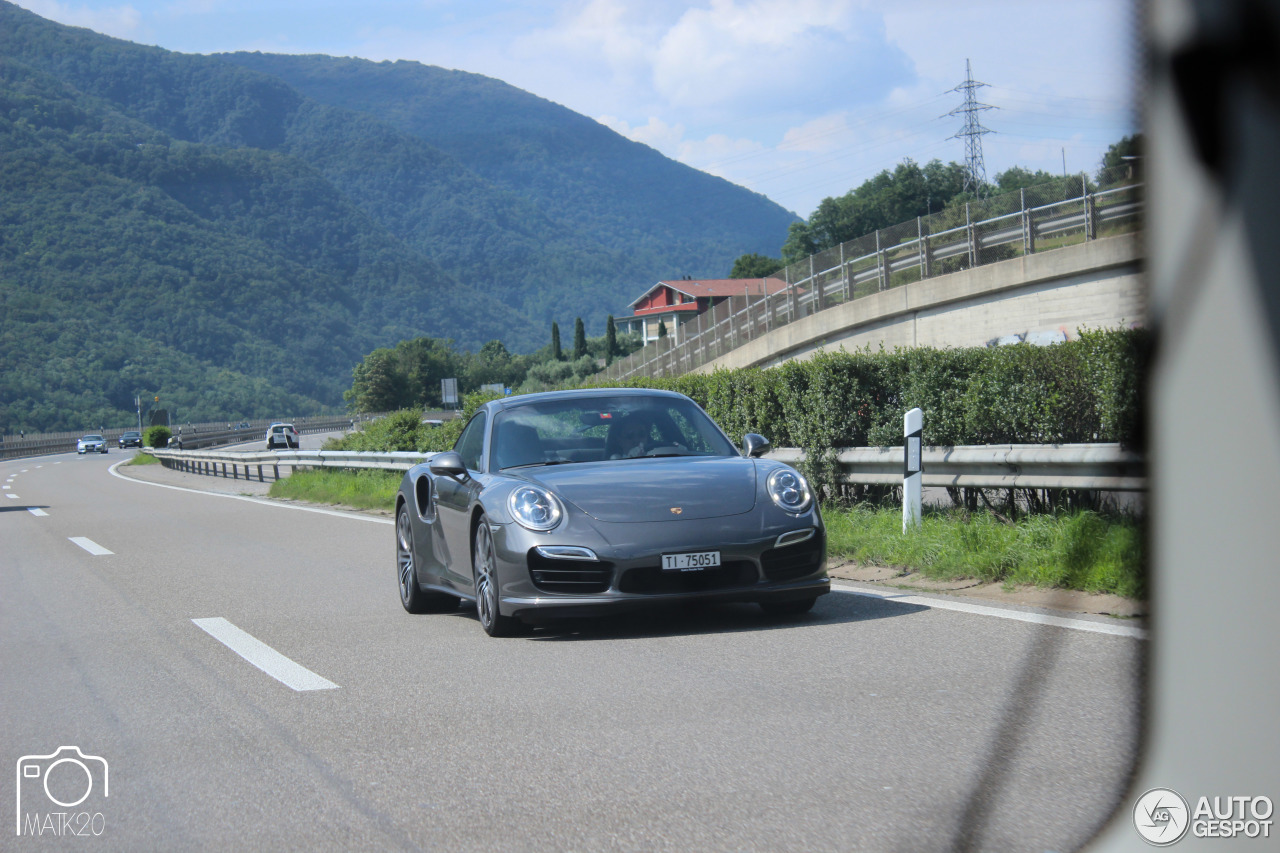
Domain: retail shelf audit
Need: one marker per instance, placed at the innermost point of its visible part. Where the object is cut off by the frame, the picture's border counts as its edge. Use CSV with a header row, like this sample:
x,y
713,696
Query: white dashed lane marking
x,y
89,545
282,669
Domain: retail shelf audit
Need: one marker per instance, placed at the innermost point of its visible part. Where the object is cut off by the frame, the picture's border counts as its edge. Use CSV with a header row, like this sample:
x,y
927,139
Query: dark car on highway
x,y
129,439
577,503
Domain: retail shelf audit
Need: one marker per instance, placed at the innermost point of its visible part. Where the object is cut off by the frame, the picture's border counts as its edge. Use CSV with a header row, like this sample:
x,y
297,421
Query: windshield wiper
x,y
540,464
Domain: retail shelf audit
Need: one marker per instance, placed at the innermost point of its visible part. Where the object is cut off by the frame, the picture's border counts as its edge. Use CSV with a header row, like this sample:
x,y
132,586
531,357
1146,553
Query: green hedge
x,y
1086,390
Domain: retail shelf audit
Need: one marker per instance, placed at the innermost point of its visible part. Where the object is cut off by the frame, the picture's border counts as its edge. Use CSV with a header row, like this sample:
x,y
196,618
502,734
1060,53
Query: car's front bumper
x,y
754,568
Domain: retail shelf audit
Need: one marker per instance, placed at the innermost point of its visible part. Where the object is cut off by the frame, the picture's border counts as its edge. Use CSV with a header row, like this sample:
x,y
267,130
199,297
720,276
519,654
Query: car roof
x,y
545,396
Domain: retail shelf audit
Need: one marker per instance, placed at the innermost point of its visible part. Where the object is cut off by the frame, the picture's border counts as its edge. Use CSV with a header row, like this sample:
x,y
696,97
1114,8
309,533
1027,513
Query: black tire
x,y
795,607
412,596
484,570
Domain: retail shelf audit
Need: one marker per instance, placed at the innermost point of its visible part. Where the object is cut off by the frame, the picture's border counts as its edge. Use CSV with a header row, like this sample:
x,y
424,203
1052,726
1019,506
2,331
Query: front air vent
x,y
569,576
791,562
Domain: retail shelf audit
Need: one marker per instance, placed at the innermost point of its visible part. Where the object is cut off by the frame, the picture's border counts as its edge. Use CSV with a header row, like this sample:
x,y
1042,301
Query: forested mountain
x,y
229,233
574,170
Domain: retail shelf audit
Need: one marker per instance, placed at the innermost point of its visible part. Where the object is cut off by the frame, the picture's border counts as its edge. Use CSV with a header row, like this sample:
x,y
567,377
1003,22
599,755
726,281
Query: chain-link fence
x,y
1065,212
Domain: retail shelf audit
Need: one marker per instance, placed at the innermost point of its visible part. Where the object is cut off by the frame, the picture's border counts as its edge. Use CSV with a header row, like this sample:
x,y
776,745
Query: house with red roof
x,y
676,303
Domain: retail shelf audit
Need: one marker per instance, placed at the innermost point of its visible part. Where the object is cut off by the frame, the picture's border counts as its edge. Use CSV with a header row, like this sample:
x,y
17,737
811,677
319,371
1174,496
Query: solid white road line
x,y
338,513
998,612
35,510
262,656
89,545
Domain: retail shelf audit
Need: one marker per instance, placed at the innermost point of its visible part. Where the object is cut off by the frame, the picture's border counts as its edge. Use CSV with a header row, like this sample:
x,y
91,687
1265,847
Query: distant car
x,y
91,444
578,503
283,434
242,425
130,439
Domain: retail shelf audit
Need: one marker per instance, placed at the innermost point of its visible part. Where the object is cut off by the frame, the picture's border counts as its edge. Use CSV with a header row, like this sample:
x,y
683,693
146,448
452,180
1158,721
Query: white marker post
x,y
912,429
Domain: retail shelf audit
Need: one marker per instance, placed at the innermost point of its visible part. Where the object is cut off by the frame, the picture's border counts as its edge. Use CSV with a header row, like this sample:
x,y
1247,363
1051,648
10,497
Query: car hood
x,y
649,490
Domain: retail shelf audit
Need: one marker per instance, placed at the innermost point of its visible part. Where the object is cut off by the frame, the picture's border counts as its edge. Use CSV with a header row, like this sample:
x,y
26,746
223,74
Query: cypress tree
x,y
610,340
579,339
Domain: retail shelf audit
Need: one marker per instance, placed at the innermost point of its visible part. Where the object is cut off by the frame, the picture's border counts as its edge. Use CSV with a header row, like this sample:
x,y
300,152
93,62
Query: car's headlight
x,y
789,490
534,508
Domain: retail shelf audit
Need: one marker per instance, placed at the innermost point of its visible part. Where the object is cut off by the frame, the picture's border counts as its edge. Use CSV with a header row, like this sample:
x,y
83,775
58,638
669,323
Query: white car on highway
x,y
91,444
283,434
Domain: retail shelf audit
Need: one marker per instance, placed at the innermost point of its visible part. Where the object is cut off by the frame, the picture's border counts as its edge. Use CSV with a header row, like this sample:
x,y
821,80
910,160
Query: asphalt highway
x,y
238,674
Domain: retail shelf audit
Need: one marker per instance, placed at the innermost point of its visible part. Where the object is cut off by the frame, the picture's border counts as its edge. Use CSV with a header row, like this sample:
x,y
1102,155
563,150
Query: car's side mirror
x,y
448,464
754,445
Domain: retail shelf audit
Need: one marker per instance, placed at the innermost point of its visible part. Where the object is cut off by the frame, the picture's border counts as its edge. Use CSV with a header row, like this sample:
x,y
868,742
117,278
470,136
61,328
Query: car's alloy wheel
x,y
485,565
414,599
405,567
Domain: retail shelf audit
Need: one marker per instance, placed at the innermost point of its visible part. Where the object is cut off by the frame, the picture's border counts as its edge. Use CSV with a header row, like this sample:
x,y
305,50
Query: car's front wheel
x,y
414,599
485,567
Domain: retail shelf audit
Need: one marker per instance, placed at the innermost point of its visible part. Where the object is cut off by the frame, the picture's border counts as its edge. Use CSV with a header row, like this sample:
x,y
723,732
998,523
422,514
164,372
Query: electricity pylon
x,y
975,171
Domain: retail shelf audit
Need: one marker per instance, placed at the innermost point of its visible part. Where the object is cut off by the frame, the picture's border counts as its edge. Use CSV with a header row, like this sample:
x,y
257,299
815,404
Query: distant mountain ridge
x,y
232,232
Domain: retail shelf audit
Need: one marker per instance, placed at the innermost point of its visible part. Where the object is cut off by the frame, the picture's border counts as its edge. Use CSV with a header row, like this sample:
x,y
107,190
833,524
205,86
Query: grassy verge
x,y
359,489
1081,551
141,458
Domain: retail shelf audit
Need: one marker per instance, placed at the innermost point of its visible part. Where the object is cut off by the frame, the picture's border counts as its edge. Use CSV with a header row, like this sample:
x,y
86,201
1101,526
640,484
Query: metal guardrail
x,y
229,463
1101,467
891,257
191,435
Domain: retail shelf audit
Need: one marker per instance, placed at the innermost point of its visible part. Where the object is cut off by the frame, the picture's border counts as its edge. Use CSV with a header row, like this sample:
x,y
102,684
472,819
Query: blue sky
x,y
795,99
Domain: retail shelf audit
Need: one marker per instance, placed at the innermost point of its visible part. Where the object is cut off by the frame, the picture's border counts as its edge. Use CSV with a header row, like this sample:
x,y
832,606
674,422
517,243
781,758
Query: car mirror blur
x,y
754,445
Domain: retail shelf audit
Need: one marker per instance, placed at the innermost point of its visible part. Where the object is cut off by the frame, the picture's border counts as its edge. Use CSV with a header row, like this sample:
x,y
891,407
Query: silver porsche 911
x,y
577,503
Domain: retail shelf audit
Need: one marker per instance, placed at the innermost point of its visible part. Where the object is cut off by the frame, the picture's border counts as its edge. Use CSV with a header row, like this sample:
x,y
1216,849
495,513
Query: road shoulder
x,y
1065,600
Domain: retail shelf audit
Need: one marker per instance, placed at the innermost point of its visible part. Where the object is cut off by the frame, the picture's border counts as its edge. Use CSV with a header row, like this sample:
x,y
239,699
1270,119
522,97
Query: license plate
x,y
694,562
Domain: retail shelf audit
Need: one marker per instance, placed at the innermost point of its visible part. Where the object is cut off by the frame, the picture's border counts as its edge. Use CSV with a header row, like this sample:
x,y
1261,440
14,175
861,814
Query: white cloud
x,y
771,56
120,21
656,133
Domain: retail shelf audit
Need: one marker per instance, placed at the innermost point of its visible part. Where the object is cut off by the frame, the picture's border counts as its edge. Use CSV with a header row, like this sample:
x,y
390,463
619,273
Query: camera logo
x,y
1161,817
65,779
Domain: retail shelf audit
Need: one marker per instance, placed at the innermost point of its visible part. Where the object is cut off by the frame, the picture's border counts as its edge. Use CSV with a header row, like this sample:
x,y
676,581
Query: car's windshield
x,y
92,438
607,427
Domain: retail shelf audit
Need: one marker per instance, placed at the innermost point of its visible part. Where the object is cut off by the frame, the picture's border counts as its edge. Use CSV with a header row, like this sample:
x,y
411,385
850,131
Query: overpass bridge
x,y
1033,273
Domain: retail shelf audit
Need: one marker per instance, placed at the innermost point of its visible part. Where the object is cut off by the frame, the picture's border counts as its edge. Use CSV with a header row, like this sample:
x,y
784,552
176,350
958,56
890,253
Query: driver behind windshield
x,y
629,438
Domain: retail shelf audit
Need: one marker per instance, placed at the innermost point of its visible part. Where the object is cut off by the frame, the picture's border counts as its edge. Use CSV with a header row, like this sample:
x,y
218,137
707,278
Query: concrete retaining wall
x,y
1097,284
